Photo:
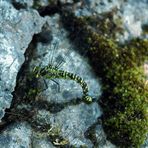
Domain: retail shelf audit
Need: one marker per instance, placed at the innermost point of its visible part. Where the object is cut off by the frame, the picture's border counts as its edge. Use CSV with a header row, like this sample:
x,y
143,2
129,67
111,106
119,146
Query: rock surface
x,y
16,31
71,122
132,13
101,139
68,118
17,135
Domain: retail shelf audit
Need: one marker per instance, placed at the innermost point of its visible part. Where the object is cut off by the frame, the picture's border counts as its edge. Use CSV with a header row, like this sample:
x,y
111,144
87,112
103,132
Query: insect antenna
x,y
62,60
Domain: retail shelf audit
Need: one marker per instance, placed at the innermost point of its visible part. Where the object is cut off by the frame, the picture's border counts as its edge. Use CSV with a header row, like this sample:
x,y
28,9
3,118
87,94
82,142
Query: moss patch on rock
x,y
125,93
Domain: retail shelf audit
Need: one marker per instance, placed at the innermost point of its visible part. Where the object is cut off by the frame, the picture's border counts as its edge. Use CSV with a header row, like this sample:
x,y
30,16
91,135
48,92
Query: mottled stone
x,y
133,14
41,141
17,135
90,8
101,139
16,31
72,122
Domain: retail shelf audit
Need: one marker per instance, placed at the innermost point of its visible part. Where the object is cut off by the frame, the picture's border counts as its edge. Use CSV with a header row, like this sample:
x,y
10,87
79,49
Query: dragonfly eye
x,y
36,71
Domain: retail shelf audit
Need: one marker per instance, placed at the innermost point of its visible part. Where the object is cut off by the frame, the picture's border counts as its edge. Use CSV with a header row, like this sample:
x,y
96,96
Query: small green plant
x,y
54,134
125,95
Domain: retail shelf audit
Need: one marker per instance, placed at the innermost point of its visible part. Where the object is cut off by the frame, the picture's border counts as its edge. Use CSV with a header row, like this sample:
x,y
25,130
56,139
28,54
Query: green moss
x,y
125,95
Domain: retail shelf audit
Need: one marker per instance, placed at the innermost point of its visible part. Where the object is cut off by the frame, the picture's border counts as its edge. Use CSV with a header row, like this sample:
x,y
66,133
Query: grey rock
x,y
101,140
90,8
133,14
72,122
21,135
41,141
16,31
17,135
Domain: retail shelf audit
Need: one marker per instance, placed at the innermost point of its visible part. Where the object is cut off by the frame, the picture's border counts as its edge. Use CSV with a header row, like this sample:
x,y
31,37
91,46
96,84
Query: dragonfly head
x,y
36,71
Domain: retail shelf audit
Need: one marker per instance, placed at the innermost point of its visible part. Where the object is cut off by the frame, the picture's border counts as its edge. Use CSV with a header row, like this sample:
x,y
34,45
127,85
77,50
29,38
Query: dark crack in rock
x,y
101,139
22,3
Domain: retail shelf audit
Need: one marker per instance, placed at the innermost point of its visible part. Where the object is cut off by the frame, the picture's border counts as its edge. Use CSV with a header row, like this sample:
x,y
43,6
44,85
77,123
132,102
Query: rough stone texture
x,y
41,141
72,122
97,6
101,140
133,13
21,135
16,31
16,136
